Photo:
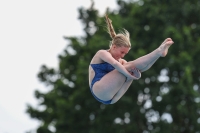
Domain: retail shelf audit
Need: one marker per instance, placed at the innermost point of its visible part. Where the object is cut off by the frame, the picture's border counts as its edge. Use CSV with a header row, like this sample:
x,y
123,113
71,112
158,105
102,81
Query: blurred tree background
x,y
165,100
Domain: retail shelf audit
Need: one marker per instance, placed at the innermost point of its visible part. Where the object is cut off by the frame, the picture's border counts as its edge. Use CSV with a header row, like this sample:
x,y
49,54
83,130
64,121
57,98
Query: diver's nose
x,y
122,56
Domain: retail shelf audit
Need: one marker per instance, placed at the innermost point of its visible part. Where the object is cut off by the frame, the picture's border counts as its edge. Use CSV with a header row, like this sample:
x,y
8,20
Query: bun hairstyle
x,y
120,39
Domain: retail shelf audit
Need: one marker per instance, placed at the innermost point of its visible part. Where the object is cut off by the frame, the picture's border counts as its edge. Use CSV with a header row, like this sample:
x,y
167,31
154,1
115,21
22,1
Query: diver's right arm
x,y
107,57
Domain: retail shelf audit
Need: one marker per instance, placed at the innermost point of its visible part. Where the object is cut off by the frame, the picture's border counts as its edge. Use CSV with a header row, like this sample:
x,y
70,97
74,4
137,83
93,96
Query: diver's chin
x,y
117,59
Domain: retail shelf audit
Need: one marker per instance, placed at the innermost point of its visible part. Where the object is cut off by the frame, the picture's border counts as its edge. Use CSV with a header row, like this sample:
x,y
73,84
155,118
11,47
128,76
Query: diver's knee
x,y
113,101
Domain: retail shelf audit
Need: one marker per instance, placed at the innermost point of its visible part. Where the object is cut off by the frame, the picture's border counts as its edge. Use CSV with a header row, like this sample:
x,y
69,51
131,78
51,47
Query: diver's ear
x,y
114,46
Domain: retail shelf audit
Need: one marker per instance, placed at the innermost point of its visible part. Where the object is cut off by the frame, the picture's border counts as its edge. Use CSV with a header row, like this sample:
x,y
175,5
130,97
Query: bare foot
x,y
165,46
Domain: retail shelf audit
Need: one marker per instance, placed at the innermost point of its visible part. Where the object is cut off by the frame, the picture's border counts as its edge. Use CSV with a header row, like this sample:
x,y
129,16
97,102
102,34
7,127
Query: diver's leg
x,y
113,85
145,62
121,91
109,85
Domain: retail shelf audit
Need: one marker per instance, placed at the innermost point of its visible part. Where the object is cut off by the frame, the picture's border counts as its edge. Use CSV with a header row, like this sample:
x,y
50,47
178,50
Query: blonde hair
x,y
120,39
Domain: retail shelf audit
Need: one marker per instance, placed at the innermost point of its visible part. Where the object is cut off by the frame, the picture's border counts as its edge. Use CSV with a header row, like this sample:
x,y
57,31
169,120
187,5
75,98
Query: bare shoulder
x,y
102,52
97,57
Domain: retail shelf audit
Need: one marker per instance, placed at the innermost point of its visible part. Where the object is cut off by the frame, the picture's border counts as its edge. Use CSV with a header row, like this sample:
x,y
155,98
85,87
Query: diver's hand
x,y
136,73
132,77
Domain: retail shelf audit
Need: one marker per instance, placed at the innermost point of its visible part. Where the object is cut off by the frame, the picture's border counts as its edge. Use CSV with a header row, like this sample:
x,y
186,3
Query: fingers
x,y
135,74
135,78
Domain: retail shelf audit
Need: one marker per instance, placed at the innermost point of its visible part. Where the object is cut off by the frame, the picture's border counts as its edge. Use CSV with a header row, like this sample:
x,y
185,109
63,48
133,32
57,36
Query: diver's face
x,y
119,52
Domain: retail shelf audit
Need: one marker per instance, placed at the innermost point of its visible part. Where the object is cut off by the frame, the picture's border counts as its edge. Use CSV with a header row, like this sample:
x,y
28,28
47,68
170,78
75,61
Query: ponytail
x,y
110,28
121,39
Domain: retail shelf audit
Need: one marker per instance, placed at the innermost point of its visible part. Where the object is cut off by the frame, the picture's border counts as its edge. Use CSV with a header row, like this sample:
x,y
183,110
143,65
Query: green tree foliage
x,y
165,100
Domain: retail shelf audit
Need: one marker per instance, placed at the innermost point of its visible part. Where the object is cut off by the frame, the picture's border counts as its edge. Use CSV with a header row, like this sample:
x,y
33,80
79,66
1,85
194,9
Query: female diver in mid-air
x,y
110,76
